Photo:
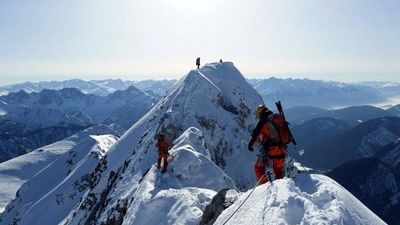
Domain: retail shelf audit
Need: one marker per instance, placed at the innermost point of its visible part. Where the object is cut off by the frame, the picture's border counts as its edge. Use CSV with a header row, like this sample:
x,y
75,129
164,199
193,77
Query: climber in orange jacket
x,y
163,145
273,152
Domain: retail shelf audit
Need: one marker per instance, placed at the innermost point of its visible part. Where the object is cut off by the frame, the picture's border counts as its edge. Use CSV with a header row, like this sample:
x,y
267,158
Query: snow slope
x,y
306,199
15,172
180,195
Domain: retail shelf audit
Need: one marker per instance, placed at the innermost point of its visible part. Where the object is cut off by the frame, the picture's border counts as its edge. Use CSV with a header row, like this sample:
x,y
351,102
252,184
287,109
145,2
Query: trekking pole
x,y
241,204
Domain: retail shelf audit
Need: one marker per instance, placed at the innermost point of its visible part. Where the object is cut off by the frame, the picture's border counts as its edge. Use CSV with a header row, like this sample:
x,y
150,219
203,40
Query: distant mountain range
x,y
395,110
31,120
77,108
388,89
292,92
352,115
325,143
96,87
325,94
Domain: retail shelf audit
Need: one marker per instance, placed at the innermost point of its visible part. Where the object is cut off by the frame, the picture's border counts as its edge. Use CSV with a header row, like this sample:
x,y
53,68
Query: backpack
x,y
278,127
279,130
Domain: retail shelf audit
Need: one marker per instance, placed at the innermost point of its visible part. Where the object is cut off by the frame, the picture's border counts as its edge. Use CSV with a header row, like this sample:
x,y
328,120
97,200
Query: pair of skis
x,y
280,110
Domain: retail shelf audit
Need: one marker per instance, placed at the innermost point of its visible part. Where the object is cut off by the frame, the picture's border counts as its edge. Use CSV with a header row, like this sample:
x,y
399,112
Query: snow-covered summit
x,y
218,100
306,199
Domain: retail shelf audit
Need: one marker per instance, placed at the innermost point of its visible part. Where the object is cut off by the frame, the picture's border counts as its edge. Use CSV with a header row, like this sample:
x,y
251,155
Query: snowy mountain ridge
x,y
15,172
306,199
208,114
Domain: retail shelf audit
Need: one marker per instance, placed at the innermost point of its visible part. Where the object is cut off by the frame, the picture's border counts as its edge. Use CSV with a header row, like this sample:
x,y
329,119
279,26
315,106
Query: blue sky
x,y
141,39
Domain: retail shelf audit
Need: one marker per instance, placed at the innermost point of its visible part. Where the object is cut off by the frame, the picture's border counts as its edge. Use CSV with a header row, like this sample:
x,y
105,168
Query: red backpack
x,y
282,133
278,128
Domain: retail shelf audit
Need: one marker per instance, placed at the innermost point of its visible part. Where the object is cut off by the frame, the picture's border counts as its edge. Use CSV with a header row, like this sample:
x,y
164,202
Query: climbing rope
x,y
241,204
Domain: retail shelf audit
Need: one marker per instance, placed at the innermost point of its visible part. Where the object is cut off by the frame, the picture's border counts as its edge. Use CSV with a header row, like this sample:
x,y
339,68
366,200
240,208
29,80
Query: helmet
x,y
260,109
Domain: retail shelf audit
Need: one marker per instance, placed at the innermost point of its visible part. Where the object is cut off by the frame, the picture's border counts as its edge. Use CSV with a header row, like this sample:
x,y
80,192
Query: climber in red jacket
x,y
163,145
273,152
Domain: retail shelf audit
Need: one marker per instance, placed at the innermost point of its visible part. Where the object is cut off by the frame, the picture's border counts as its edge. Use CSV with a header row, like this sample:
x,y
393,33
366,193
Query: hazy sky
x,y
139,39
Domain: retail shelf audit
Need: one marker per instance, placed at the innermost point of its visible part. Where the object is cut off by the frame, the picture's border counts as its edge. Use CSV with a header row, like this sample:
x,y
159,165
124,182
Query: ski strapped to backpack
x,y
282,126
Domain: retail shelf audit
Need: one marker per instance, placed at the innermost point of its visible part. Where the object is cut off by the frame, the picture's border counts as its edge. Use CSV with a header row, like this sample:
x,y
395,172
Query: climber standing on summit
x,y
163,145
198,63
273,134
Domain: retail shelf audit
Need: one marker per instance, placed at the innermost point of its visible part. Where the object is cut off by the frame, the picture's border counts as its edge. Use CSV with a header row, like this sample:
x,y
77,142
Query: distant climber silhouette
x,y
198,62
